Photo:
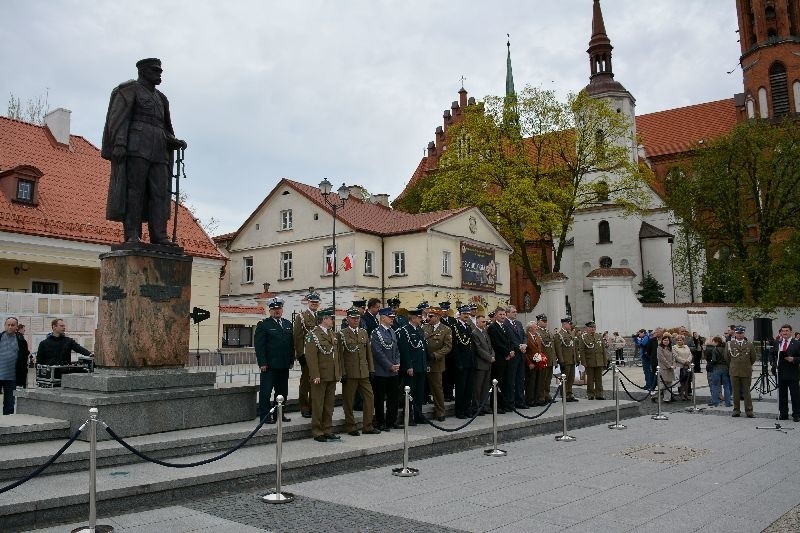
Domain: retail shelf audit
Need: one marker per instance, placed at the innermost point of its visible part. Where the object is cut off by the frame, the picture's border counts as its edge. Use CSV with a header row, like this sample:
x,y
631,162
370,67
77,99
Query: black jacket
x,y
786,371
58,350
22,360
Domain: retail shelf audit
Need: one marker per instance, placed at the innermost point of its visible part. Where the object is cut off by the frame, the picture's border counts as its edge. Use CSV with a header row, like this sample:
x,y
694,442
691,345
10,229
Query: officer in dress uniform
x,y
439,339
462,362
304,322
413,361
386,384
448,376
361,305
593,355
324,370
358,368
540,340
567,355
740,354
274,347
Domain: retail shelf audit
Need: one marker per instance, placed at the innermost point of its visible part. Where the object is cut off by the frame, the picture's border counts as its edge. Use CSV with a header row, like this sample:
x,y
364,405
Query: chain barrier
x,y
646,396
146,457
549,405
465,424
621,373
49,462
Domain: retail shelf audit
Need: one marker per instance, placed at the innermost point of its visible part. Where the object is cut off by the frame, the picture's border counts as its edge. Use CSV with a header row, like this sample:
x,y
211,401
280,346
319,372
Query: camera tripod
x,y
765,382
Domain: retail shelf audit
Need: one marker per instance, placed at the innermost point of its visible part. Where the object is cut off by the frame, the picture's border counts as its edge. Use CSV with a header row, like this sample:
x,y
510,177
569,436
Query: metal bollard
x,y
93,527
694,408
616,425
494,451
564,437
405,471
278,496
660,415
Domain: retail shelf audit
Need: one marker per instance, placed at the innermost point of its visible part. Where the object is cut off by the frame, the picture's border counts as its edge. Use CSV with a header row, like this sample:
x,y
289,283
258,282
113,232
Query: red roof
x,y
679,130
72,192
366,217
242,309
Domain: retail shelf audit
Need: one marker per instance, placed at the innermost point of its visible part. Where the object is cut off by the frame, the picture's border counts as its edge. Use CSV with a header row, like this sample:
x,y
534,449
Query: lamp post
x,y
343,194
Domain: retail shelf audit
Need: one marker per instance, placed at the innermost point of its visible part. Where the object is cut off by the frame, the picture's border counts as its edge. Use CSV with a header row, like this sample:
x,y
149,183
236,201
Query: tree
x,y
33,111
651,291
739,195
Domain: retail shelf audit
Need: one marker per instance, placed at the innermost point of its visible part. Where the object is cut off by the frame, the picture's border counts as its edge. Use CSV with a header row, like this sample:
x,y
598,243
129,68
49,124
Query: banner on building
x,y
478,268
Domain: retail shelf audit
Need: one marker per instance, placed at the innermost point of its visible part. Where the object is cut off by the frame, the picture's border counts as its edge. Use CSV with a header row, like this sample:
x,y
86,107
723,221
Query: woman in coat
x,y
666,363
683,359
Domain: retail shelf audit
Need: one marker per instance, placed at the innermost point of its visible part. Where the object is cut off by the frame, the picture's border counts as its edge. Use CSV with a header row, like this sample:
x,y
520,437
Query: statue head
x,y
150,70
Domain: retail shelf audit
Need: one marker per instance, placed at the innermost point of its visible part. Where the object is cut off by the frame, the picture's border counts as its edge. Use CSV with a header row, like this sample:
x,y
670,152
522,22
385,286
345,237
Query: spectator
x,y
618,343
652,356
642,341
666,364
717,370
697,351
683,358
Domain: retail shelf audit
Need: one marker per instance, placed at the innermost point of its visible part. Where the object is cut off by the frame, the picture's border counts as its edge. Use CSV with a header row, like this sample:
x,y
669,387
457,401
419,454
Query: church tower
x,y
769,34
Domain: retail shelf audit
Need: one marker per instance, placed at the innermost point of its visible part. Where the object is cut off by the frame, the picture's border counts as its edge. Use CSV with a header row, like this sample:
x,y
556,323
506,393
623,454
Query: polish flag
x,y
348,262
328,265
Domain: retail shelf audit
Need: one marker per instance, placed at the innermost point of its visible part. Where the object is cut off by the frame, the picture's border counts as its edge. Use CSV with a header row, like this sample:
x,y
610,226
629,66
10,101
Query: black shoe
x,y
785,417
501,411
333,437
395,426
305,415
412,423
599,398
796,419
373,431
482,413
270,420
736,414
521,407
440,419
750,415
572,399
355,433
462,417
285,418
321,438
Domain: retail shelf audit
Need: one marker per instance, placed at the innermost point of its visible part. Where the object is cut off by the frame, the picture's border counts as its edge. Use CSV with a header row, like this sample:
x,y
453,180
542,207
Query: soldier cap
x,y
415,312
423,305
739,329
542,317
150,61
328,311
386,311
359,303
353,312
465,310
275,303
566,320
312,297
393,302
590,324
444,305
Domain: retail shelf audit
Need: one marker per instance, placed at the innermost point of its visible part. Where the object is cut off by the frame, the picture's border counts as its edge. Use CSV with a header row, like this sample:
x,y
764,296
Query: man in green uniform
x,y
324,370
593,355
568,357
275,354
740,354
358,367
439,339
304,322
537,391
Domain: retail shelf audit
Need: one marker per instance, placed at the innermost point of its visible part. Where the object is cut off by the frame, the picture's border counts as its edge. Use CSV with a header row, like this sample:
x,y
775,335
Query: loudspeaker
x,y
762,329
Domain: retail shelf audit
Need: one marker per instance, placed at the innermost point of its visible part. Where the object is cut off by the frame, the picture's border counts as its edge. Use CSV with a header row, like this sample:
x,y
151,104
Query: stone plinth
x,y
144,308
553,297
140,402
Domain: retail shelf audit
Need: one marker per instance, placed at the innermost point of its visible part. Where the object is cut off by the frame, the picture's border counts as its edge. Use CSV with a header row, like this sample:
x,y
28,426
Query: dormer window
x,y
21,184
24,190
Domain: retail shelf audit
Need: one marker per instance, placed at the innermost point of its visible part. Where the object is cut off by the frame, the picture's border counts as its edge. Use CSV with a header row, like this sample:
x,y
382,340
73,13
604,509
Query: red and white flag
x,y
329,265
348,262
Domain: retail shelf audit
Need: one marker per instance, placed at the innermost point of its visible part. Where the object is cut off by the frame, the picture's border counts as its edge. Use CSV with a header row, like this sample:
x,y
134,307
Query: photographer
x,y
786,351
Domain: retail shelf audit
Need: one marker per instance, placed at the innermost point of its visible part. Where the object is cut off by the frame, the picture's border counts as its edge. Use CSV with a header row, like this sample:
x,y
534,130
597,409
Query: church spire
x,y
510,116
510,92
601,75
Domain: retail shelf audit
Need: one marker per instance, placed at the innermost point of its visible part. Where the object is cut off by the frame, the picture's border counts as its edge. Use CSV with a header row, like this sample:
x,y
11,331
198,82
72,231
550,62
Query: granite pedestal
x,y
140,402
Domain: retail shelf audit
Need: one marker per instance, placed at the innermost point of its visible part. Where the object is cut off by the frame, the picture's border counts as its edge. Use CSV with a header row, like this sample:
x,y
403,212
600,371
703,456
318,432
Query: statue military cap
x,y
148,62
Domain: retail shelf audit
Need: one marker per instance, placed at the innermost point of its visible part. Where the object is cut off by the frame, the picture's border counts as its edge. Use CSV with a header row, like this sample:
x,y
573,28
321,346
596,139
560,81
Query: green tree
x,y
739,196
651,291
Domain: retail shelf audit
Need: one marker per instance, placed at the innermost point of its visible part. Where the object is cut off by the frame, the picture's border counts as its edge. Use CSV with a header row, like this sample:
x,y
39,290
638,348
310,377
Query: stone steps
x,y
30,428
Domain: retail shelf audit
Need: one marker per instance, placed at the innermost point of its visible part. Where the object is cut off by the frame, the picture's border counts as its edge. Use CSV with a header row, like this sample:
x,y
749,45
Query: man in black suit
x,y
651,352
503,347
786,352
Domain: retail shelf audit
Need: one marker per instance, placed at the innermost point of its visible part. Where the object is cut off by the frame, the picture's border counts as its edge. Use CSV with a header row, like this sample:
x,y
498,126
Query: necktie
x,y
785,345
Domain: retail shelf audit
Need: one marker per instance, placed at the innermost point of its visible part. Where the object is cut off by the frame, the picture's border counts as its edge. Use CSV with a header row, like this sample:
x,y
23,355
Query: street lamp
x,y
343,194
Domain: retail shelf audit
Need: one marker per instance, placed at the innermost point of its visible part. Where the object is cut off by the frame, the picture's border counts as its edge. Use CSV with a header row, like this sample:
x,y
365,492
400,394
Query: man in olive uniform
x,y
413,355
357,369
567,355
439,339
740,354
304,322
324,370
138,140
449,374
275,355
463,362
593,355
537,386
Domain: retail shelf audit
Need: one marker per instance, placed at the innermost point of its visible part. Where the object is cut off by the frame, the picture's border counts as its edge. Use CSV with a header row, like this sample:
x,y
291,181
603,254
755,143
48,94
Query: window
x,y
44,287
763,111
399,263
779,88
248,270
286,219
796,91
526,302
25,190
603,232
286,265
369,262
328,261
237,335
447,263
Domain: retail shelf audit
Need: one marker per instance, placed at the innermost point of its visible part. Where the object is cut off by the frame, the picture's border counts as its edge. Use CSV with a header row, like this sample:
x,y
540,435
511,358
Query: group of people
x,y
439,354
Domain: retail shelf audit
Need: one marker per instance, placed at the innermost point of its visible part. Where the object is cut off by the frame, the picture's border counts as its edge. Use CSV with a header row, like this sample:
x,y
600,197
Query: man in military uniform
x,y
139,140
439,339
304,322
358,367
361,305
740,356
413,355
463,362
324,370
448,376
537,384
386,383
593,355
275,355
567,355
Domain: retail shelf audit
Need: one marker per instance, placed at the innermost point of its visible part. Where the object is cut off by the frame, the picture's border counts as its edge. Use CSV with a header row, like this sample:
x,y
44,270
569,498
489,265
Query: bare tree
x,y
33,111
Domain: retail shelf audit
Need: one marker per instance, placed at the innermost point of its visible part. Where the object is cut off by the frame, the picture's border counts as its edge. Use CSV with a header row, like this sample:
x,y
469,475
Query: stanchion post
x,y
694,408
405,471
494,451
660,415
278,496
564,437
616,425
93,527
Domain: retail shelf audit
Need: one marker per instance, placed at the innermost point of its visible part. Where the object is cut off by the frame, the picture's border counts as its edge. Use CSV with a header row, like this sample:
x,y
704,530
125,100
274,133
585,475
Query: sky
x,y
351,90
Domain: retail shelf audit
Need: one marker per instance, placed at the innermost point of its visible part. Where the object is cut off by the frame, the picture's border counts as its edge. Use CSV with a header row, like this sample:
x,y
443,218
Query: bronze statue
x,y
139,141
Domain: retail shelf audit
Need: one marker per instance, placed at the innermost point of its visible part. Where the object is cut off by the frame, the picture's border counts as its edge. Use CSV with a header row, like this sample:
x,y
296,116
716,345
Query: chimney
x,y
357,191
471,100
57,121
462,97
381,199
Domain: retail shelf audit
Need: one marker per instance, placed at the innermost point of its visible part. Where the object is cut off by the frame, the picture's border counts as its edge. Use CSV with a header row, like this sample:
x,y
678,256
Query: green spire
x,y
510,117
510,92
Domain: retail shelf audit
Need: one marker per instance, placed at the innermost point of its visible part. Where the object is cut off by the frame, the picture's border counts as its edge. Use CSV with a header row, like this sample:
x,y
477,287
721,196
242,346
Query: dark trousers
x,y
514,390
785,386
449,376
499,373
8,386
463,378
386,391
148,184
481,383
417,384
273,379
619,355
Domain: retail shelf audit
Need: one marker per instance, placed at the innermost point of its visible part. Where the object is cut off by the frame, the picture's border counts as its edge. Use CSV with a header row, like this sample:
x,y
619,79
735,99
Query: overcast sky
x,y
349,90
